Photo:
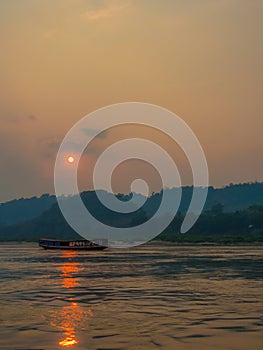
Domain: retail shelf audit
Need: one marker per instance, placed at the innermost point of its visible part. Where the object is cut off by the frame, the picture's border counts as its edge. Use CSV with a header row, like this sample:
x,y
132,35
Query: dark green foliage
x,y
225,218
23,209
239,226
51,223
232,198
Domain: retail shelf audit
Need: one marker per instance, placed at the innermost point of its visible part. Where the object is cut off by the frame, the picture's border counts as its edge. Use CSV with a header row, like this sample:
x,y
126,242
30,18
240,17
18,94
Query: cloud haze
x,y
109,9
62,59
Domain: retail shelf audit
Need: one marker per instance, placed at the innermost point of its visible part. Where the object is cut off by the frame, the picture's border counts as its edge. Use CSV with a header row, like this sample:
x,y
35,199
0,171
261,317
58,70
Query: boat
x,y
79,244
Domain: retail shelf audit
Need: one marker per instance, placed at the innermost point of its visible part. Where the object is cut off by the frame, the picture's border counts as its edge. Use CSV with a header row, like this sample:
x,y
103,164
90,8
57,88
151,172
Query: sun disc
x,y
70,160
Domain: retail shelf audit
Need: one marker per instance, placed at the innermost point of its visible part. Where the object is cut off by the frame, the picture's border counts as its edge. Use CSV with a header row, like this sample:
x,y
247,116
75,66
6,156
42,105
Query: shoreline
x,y
159,243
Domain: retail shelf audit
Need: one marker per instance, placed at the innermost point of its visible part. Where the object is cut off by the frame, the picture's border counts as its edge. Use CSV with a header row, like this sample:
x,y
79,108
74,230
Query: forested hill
x,y
232,197
236,197
51,223
24,209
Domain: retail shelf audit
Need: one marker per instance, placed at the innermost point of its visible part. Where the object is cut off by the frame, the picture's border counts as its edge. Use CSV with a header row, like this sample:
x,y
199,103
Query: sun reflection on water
x,y
69,281
70,317
69,341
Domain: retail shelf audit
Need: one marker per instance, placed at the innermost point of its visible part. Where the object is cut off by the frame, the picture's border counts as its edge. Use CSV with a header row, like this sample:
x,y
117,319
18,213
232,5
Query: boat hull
x,y
72,245
73,248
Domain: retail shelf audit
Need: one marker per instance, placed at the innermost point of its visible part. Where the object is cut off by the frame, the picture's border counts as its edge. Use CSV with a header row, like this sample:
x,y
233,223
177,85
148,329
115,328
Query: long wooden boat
x,y
80,244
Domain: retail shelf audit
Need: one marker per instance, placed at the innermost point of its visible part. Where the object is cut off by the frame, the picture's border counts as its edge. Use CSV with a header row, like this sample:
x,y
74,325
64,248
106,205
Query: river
x,y
151,297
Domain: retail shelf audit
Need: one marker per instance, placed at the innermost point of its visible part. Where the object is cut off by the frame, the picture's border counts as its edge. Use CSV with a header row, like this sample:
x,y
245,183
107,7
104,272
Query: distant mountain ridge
x,y
23,209
52,224
232,197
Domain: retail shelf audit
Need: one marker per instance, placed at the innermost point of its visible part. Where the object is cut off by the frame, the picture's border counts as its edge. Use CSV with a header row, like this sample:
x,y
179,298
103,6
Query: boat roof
x,y
71,240
64,240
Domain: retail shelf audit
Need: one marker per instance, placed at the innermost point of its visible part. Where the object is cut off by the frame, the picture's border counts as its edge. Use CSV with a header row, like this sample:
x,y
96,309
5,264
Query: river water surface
x,y
167,297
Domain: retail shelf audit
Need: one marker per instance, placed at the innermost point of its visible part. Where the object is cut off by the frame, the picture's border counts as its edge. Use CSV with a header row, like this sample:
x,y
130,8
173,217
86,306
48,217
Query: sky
x,y
62,59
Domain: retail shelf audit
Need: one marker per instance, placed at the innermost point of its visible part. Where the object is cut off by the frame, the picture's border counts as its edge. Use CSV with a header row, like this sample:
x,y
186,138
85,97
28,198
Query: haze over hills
x,y
232,197
28,219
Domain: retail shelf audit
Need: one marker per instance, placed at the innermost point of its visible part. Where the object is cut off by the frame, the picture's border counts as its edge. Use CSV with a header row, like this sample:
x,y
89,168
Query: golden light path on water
x,y
163,297
71,316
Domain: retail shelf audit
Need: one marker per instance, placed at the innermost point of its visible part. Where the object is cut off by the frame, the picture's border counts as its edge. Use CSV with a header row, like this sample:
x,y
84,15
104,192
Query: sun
x,y
70,159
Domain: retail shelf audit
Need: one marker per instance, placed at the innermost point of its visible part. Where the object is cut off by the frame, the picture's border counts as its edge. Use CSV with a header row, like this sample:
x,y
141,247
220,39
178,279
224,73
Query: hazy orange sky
x,y
61,59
